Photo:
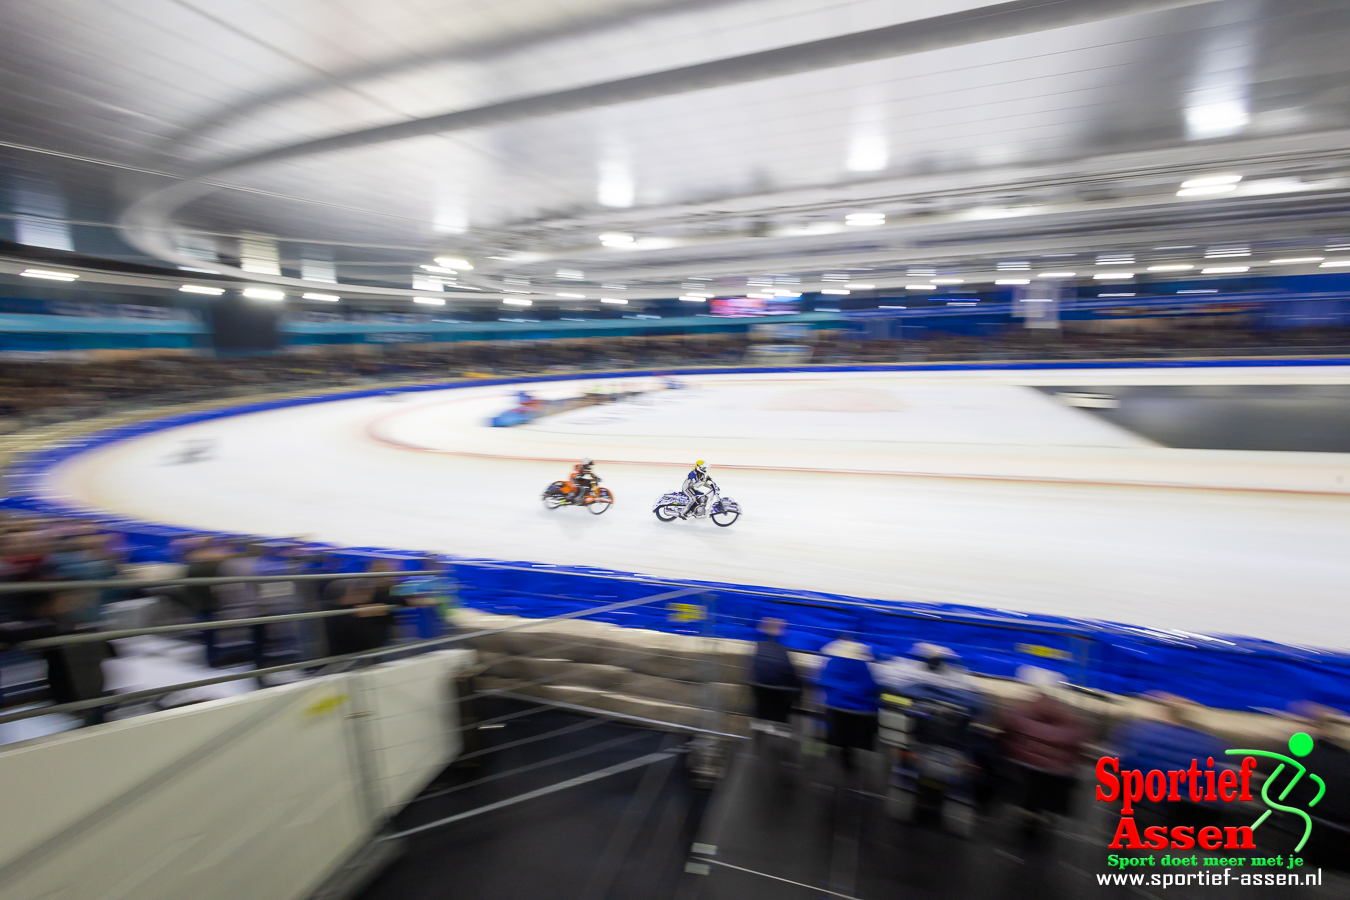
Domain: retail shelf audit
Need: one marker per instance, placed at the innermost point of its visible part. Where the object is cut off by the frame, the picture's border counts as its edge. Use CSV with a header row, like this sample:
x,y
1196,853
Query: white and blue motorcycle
x,y
711,505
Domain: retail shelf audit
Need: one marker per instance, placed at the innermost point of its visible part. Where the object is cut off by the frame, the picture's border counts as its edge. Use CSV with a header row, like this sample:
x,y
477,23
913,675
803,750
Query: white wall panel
x,y
414,722
259,796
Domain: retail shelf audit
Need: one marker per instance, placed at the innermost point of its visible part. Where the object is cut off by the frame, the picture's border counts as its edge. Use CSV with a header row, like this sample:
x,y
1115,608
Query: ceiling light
x,y
196,269
1296,260
619,300
757,295
689,299
1333,263
838,292
1115,295
919,273
327,298
948,280
860,287
49,275
614,239
1172,267
1201,191
570,274
1224,270
1013,281
1057,275
615,287
263,294
1200,291
571,296
921,287
441,270
865,219
430,301
708,296
518,301
199,289
789,295
1113,275
1211,181
1015,266
452,263
884,306
1115,259
1234,250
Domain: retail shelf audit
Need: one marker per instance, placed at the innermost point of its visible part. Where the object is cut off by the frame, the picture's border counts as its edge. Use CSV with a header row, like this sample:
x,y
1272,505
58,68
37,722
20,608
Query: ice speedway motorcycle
x,y
676,505
597,499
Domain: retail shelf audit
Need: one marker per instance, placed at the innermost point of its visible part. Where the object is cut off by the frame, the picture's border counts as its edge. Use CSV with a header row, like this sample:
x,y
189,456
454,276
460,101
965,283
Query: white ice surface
x,y
1271,565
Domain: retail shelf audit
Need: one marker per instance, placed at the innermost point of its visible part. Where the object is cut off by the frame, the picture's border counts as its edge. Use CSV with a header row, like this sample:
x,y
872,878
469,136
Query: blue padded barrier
x,y
1225,672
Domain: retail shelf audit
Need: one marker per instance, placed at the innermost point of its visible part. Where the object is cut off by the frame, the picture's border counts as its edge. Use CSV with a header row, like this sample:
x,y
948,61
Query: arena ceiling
x,y
720,145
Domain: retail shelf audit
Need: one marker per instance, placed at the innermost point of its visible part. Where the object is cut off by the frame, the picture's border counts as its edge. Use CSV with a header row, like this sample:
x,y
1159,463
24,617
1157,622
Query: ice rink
x,y
968,487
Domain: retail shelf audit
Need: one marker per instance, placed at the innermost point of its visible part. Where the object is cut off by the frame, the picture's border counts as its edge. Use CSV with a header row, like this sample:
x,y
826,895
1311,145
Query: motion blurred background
x,y
1022,331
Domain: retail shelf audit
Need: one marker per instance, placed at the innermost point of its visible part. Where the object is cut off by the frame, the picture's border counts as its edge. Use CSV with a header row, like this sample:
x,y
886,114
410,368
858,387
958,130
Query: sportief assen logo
x,y
1205,785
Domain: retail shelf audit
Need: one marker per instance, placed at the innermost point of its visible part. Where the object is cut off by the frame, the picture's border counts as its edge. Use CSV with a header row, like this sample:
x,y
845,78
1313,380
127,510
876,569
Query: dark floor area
x,y
782,824
624,836
1231,417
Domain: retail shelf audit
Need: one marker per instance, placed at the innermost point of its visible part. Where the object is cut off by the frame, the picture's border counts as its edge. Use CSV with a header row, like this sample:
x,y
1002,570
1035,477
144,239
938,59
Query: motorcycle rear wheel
x,y
666,513
553,495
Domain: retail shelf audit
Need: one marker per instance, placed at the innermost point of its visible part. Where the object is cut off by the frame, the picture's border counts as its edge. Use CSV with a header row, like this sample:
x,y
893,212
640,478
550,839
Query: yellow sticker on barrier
x,y
325,705
1044,652
687,612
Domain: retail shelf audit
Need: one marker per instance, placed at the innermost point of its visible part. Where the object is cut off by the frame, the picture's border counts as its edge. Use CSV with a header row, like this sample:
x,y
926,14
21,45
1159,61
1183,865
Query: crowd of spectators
x,y
31,389
37,552
1043,743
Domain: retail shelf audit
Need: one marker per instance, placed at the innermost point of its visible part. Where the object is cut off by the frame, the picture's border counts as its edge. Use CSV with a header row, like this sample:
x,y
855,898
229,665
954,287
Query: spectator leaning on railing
x,y
1043,737
851,695
773,679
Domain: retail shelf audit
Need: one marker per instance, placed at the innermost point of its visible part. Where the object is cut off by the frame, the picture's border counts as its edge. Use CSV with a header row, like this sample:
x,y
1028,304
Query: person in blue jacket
x,y
851,696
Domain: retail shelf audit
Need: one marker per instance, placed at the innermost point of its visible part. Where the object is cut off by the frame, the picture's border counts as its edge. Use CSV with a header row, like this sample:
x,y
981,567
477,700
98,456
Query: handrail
x,y
28,587
90,637
786,597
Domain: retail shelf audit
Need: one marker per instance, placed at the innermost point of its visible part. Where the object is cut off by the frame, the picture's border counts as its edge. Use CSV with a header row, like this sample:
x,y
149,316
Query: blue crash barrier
x,y
1219,671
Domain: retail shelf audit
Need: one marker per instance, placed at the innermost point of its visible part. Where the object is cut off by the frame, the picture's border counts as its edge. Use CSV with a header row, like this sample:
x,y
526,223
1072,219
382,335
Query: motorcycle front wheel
x,y
601,501
725,517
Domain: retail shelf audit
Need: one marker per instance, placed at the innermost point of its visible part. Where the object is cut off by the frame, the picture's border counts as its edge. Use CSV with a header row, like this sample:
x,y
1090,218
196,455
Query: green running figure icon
x,y
1300,744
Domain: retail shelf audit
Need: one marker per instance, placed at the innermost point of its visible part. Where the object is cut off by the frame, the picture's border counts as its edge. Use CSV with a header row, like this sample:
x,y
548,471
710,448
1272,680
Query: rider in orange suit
x,y
581,482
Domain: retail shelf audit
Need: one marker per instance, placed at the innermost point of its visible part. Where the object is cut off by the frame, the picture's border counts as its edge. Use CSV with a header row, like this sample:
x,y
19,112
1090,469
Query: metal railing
x,y
375,654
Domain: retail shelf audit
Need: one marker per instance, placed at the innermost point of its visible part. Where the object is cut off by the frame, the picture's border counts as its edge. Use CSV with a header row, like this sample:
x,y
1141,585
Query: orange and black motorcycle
x,y
584,491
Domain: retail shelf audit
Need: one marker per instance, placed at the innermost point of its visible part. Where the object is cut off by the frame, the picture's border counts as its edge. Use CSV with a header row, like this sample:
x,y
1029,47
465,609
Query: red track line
x,y
371,432
1014,479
